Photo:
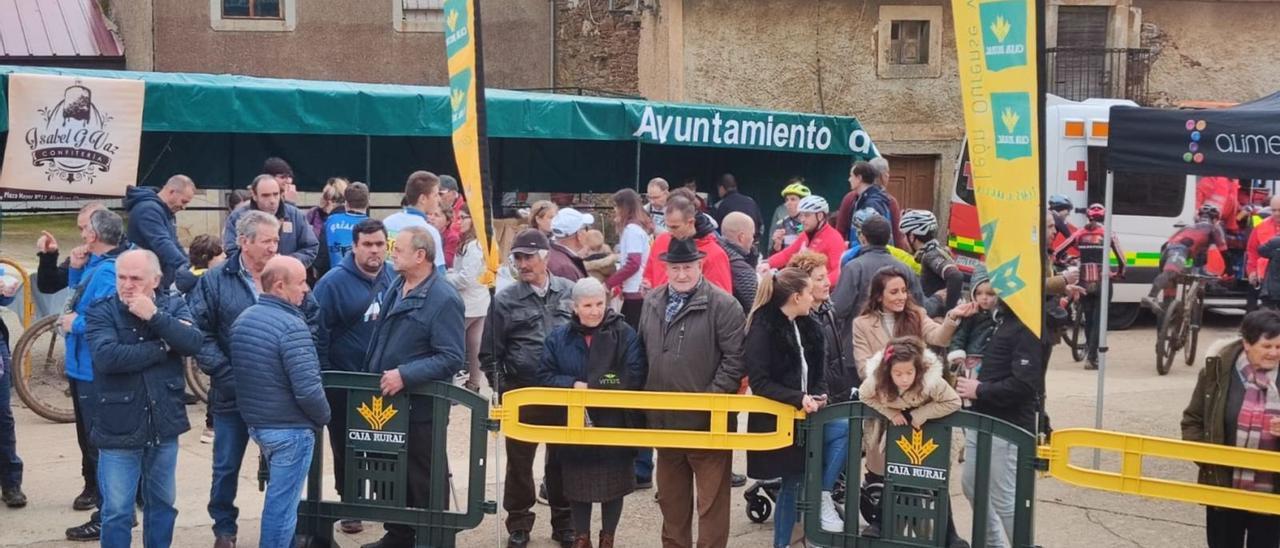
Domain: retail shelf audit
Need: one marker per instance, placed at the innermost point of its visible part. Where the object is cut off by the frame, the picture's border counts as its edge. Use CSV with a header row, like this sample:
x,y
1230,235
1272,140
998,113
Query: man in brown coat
x,y
692,333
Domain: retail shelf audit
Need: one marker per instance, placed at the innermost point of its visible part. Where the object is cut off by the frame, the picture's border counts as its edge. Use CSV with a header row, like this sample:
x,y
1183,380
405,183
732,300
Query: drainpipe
x,y
551,82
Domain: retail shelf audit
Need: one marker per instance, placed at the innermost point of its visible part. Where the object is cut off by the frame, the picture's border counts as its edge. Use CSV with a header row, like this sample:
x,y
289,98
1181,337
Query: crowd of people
x,y
815,308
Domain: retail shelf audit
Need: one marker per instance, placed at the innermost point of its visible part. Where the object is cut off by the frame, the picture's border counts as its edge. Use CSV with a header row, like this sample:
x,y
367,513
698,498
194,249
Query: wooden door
x,y
911,180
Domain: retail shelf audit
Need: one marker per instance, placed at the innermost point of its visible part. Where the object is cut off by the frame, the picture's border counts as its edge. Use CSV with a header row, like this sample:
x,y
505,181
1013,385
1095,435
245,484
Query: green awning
x,y
206,103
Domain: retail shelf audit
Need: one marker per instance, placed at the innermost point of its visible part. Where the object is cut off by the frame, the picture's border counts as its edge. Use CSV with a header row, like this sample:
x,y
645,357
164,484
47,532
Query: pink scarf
x,y
1261,405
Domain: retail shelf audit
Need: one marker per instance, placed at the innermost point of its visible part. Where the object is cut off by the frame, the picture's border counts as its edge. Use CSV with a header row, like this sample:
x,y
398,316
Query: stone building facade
x,y
892,63
382,41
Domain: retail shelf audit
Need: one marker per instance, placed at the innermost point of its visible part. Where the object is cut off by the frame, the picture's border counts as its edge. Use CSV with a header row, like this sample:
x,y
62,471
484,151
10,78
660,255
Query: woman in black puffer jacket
x,y
785,360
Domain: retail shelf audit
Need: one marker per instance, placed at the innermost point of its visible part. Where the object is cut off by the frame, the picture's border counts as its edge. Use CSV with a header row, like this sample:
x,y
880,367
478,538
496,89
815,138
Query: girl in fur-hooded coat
x,y
930,397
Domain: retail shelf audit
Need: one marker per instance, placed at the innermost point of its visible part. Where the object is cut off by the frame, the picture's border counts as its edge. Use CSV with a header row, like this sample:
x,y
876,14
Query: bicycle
x,y
42,384
1075,337
1179,326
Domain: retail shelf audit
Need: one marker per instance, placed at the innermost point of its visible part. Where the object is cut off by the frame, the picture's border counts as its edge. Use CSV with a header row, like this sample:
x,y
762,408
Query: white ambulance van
x,y
1146,210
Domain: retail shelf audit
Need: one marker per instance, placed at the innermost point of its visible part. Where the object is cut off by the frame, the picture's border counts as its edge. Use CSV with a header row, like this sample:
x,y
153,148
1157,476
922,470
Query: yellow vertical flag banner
x,y
466,96
996,43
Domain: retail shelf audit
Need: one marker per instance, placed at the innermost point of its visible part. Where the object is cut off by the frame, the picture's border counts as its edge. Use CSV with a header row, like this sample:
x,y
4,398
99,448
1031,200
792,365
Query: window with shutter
x,y
909,42
419,15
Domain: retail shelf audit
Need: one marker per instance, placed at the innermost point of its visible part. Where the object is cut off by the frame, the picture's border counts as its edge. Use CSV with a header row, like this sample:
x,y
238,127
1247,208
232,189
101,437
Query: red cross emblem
x,y
1079,175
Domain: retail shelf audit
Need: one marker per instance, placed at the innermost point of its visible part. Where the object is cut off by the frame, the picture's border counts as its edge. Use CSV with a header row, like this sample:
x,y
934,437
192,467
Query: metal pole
x,y
637,179
1104,307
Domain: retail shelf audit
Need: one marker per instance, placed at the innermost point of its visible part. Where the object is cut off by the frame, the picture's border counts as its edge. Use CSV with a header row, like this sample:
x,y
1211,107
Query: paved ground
x,y
1137,400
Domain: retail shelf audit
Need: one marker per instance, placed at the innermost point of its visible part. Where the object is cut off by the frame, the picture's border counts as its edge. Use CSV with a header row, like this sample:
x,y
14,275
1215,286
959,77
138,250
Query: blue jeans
x,y
644,463
784,518
10,464
835,450
230,438
288,453
118,474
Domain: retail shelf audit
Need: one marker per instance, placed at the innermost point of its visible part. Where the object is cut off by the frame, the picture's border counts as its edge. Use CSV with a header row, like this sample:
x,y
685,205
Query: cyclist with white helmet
x,y
817,234
786,219
1191,242
939,271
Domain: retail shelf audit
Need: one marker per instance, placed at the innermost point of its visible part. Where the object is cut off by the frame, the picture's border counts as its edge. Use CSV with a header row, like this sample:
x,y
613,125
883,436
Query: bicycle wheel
x,y
1193,323
1168,336
42,382
1075,335
196,379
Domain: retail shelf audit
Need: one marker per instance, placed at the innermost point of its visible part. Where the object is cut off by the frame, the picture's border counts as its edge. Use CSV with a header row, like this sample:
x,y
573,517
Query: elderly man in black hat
x,y
692,333
520,317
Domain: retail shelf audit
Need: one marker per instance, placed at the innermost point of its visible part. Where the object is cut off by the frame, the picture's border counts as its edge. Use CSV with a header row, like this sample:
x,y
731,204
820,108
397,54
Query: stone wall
x,y
596,48
333,40
1211,51
821,56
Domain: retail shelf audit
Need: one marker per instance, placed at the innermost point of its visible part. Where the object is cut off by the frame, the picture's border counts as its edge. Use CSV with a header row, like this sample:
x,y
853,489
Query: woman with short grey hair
x,y
596,350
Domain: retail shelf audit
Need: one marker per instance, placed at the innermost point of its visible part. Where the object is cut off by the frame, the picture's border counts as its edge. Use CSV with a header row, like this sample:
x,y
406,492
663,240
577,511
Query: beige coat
x,y
869,336
935,399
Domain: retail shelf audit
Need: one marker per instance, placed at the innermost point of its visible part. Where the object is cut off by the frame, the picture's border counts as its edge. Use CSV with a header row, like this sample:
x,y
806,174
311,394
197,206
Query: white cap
x,y
569,221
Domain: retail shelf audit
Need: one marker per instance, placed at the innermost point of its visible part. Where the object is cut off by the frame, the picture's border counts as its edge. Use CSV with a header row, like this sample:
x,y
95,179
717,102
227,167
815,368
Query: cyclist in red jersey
x,y
1061,207
1190,242
1089,241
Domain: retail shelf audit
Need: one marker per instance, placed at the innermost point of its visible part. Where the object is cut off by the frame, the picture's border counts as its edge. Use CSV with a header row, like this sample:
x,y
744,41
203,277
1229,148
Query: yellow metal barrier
x,y
28,296
1133,448
577,432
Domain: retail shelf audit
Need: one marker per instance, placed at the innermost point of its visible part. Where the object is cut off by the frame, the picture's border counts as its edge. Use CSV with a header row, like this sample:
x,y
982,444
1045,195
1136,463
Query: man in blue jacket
x,y
103,235
278,389
222,294
349,297
337,235
418,340
139,336
53,277
152,225
297,240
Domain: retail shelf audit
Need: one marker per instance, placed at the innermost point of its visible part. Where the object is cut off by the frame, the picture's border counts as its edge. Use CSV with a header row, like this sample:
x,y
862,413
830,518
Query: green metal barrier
x,y
377,463
916,496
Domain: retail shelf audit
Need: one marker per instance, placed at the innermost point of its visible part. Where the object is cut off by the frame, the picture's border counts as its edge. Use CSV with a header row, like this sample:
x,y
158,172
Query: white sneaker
x,y
831,520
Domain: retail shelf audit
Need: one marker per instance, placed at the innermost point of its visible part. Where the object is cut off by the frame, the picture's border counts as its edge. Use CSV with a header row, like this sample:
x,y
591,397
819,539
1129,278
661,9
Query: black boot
x,y
13,497
87,499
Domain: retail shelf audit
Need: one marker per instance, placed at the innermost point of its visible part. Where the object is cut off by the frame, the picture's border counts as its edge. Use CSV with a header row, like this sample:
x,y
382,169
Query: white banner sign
x,y
71,136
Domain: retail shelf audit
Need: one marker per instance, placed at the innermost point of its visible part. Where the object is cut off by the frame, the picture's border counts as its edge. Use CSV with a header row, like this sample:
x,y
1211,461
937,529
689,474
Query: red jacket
x,y
715,267
827,241
1253,263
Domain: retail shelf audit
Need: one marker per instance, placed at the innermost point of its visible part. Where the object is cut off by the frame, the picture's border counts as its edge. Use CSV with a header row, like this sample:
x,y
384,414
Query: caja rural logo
x,y
1193,153
1004,33
377,416
917,451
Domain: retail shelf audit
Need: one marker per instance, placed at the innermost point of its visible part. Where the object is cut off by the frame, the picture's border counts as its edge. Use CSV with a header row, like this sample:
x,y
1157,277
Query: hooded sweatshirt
x,y
349,308
715,266
153,227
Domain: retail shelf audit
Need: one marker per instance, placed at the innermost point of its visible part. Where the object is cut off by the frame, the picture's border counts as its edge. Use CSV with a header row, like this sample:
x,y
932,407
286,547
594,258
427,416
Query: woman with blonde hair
x,y
331,198
784,354
540,215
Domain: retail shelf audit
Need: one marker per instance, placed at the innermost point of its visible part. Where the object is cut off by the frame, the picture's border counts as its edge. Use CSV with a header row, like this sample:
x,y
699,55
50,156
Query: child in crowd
x,y
600,260
970,341
205,252
904,383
